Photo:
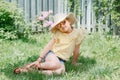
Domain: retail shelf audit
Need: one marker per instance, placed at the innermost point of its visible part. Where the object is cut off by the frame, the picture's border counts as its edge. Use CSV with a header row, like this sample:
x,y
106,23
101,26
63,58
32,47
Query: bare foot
x,y
20,70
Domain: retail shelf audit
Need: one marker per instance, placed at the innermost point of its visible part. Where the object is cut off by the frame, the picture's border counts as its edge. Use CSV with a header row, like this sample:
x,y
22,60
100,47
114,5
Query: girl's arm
x,y
75,54
46,49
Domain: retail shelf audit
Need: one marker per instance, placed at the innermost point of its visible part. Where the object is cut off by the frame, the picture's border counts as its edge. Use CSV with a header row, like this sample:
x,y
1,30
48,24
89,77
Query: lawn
x,y
100,58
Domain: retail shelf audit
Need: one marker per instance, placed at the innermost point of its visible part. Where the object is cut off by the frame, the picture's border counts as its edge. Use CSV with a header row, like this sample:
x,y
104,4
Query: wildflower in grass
x,y
43,21
45,24
45,14
41,18
50,23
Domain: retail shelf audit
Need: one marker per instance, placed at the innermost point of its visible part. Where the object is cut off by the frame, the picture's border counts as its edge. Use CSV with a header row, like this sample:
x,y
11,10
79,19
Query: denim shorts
x,y
51,52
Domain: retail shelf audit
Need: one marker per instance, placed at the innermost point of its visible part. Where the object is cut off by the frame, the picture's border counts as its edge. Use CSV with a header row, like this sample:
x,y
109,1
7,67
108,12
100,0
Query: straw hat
x,y
60,17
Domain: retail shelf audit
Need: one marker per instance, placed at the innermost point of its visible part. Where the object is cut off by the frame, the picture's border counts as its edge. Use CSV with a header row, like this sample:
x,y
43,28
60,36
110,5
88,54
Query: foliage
x,y
105,9
100,58
43,21
116,12
12,24
74,6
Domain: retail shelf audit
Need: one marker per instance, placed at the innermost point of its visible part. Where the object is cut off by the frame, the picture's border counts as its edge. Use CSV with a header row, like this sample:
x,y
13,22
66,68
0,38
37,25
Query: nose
x,y
63,26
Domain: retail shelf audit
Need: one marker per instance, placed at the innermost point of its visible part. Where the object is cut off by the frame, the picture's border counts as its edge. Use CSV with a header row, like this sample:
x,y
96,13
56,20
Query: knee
x,y
56,65
63,71
59,71
49,73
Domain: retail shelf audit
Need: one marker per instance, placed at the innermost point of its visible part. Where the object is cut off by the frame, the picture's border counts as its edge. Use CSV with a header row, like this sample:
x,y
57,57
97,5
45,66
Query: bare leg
x,y
47,72
59,71
26,68
20,70
51,63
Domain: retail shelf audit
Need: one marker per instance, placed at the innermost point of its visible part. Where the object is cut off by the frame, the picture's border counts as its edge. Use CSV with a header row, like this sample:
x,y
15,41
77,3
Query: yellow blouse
x,y
65,43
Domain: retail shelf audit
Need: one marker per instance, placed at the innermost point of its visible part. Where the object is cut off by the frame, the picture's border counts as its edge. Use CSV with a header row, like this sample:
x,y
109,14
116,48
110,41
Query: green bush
x,y
12,24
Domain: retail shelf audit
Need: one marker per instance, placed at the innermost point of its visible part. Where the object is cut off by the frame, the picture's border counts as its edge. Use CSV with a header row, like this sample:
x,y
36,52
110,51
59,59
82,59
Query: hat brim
x,y
70,17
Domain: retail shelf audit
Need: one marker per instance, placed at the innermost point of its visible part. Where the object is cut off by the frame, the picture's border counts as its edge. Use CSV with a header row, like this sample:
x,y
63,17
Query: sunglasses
x,y
63,22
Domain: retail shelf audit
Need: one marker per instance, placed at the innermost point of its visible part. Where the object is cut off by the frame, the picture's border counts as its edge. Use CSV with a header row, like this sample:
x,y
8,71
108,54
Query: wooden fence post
x,y
38,7
51,5
83,12
55,6
88,18
45,8
31,8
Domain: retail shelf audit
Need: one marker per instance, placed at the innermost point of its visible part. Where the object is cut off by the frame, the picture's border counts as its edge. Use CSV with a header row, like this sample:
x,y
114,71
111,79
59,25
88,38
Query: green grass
x,y
100,59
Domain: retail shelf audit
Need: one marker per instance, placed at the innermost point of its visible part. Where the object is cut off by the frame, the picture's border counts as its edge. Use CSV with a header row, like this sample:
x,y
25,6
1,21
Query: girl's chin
x,y
66,31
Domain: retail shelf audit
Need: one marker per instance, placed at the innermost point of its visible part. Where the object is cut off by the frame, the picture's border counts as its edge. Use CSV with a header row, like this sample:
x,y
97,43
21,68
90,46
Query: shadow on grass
x,y
32,75
85,63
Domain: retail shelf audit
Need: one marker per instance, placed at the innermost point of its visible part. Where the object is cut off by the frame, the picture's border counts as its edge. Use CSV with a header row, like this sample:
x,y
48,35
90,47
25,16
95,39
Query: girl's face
x,y
64,26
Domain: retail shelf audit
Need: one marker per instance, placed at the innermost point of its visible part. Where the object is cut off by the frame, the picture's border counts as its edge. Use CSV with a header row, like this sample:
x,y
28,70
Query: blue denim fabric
x,y
51,52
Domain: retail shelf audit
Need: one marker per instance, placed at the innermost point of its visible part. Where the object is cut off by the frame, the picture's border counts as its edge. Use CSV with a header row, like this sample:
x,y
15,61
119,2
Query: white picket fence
x,y
32,8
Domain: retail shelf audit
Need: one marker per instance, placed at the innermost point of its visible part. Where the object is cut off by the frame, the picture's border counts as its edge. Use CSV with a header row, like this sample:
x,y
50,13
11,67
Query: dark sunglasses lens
x,y
64,22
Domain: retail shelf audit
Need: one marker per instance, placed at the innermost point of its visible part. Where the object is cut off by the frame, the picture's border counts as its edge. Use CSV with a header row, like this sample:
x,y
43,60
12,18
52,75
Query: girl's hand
x,y
28,66
36,64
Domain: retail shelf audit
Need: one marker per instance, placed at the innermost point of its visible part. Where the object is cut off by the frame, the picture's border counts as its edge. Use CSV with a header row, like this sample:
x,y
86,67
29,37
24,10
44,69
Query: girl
x,y
64,44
